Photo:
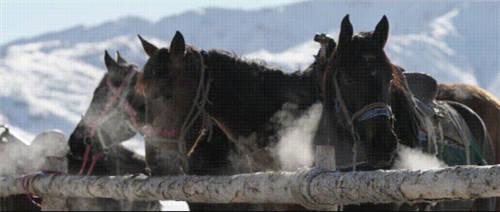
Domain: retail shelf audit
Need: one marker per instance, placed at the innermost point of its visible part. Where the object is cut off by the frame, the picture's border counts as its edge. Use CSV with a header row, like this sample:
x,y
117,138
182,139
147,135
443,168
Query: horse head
x,y
356,87
114,114
172,81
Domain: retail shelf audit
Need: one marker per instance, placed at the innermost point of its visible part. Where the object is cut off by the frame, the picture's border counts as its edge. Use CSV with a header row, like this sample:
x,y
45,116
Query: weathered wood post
x,y
312,188
324,158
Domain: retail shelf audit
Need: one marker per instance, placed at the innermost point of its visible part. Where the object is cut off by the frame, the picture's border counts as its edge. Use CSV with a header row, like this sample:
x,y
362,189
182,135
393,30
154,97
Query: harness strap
x,y
96,124
25,182
199,101
92,164
464,133
85,158
367,112
197,109
26,178
202,134
372,110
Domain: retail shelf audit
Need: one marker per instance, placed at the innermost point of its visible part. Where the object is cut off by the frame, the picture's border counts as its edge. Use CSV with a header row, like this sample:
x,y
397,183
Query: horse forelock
x,y
333,62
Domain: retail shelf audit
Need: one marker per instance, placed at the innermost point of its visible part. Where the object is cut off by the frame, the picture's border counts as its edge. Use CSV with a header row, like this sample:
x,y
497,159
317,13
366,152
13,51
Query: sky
x,y
29,18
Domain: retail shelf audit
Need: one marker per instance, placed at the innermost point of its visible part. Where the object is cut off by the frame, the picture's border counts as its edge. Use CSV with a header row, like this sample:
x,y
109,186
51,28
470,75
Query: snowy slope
x,y
47,80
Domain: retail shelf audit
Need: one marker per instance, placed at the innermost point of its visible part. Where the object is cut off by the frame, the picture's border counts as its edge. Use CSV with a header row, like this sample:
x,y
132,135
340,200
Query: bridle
x,y
95,125
350,119
197,110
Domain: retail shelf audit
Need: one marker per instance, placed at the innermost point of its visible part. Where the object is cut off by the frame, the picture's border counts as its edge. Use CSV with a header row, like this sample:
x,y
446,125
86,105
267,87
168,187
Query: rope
x,y
202,134
27,178
25,182
199,102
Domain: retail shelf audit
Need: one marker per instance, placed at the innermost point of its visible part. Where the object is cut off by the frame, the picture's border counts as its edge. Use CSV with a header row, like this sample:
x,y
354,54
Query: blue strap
x,y
374,113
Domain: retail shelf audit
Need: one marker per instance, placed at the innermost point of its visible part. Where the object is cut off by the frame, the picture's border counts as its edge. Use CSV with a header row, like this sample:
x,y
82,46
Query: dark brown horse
x,y
365,63
106,123
485,104
356,100
240,96
116,113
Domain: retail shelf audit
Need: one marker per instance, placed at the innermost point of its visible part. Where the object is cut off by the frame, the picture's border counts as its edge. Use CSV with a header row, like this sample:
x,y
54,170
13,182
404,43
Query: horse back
x,y
478,130
480,101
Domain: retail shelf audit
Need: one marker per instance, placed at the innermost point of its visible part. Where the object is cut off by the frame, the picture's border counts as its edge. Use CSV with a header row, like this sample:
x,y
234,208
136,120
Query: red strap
x,y
26,178
85,158
117,94
94,160
26,189
96,124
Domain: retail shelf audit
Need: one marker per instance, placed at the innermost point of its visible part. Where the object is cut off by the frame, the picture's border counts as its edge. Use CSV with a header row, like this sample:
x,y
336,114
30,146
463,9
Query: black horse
x,y
356,110
359,71
240,96
116,113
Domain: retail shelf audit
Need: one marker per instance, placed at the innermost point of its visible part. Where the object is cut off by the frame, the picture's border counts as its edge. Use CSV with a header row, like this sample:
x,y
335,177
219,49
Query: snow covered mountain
x,y
47,80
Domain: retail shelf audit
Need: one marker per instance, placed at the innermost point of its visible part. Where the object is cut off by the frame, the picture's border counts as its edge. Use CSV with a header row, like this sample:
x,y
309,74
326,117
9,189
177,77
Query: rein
x,y
367,112
196,111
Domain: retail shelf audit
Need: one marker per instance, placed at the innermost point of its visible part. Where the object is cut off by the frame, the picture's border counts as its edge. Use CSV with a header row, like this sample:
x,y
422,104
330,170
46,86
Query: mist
x,y
295,146
416,159
19,158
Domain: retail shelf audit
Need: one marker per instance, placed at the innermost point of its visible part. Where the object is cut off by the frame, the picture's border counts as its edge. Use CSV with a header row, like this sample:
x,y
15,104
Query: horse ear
x,y
109,62
149,48
346,31
178,46
382,32
120,60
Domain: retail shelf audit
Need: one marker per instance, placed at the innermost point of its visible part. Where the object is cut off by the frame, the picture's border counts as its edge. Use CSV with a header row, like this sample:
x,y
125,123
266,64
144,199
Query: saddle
x,y
423,86
442,129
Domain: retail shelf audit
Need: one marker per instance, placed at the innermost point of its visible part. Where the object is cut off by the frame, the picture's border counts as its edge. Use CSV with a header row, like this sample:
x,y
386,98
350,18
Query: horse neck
x,y
405,123
246,94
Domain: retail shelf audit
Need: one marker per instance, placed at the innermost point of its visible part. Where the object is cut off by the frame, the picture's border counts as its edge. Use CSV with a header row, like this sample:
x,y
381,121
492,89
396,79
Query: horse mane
x,y
237,60
253,68
228,62
397,76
